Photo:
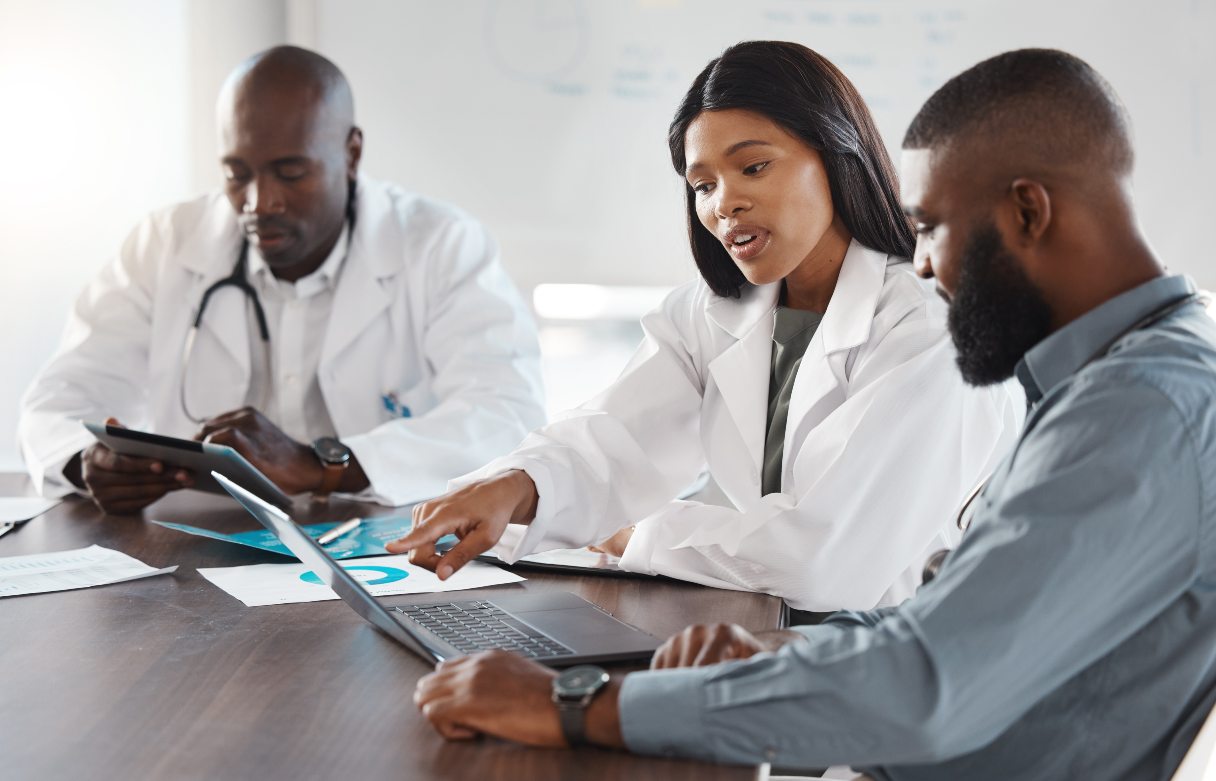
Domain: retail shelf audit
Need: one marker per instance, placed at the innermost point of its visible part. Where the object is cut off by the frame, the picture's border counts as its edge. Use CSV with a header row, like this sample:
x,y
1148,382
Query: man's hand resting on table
x,y
705,644
504,695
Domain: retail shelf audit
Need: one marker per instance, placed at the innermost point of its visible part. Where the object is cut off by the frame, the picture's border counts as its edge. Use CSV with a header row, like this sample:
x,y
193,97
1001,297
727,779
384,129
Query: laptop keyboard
x,y
470,627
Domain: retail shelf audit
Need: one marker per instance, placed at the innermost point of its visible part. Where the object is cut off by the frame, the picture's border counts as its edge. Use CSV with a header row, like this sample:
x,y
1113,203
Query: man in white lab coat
x,y
374,343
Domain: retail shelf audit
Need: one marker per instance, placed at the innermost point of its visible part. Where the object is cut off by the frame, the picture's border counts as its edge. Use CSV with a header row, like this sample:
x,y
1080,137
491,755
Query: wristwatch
x,y
335,458
573,691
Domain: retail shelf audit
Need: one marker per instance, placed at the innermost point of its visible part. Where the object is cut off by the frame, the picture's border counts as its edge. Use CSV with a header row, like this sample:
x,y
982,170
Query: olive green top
x,y
793,330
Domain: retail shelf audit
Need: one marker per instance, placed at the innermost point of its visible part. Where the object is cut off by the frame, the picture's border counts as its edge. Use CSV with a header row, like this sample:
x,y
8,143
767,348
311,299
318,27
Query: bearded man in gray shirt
x,y
1071,634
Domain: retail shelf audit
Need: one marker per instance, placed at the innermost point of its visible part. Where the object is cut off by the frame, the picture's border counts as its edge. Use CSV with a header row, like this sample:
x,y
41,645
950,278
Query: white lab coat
x,y
883,441
422,309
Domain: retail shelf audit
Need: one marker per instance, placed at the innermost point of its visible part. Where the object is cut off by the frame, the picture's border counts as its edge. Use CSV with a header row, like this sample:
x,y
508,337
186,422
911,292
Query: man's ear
x,y
1030,204
354,153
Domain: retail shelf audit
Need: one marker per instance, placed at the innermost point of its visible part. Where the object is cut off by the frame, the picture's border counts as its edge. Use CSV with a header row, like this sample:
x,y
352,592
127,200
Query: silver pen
x,y
339,530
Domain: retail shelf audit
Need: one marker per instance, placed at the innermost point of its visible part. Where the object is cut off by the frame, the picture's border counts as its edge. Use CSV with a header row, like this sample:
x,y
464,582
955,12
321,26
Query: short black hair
x,y
808,96
1044,102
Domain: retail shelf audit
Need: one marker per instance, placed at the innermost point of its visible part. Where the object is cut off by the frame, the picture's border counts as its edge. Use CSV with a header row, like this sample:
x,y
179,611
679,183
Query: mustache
x,y
253,224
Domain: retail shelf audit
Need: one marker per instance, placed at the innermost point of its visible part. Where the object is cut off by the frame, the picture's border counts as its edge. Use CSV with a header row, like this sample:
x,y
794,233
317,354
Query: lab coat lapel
x,y
227,319
741,371
846,325
360,296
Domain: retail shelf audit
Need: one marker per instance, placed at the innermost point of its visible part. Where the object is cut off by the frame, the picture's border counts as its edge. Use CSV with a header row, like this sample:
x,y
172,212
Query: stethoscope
x,y
239,279
964,517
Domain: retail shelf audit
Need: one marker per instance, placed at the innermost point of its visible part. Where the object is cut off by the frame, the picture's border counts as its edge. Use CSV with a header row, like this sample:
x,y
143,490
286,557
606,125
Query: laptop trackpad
x,y
576,628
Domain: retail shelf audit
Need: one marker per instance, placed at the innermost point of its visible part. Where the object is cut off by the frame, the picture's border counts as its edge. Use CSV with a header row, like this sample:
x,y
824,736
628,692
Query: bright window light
x,y
595,302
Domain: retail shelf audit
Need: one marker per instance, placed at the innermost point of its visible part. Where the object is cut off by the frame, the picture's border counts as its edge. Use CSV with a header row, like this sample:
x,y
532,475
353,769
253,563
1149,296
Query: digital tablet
x,y
201,458
579,562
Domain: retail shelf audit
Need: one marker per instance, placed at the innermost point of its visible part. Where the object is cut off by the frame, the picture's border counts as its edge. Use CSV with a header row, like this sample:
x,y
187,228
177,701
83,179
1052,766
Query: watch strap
x,y
331,478
335,457
572,714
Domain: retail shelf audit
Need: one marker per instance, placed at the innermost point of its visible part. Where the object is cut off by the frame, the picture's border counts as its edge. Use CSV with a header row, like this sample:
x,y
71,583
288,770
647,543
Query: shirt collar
x,y
789,323
850,313
1066,351
321,279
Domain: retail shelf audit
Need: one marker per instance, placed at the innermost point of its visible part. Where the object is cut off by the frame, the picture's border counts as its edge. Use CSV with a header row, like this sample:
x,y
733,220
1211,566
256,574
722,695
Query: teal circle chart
x,y
391,575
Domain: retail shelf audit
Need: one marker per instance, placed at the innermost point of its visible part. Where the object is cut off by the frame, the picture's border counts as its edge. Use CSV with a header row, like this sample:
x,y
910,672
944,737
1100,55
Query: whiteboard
x,y
547,119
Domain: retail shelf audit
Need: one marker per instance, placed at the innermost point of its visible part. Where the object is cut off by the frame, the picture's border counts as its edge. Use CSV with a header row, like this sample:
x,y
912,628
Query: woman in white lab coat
x,y
810,370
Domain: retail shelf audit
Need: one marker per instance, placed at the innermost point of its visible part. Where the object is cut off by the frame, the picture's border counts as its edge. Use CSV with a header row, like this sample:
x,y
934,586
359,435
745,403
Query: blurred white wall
x,y
108,114
95,131
544,118
547,118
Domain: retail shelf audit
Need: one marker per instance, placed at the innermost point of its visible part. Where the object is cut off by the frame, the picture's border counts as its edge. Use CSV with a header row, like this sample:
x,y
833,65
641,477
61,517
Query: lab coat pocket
x,y
410,403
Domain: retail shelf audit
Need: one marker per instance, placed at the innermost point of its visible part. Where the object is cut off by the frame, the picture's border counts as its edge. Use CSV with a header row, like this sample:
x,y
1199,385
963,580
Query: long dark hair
x,y
808,96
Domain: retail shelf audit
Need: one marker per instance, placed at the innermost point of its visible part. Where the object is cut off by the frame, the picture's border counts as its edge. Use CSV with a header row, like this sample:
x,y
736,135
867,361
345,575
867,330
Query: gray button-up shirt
x,y
1073,632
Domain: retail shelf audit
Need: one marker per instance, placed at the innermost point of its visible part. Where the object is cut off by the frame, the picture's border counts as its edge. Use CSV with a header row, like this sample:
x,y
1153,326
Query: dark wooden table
x,y
170,677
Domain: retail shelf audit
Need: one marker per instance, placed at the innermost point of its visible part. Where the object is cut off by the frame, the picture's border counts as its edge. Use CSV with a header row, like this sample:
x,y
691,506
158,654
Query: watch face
x,y
331,451
581,681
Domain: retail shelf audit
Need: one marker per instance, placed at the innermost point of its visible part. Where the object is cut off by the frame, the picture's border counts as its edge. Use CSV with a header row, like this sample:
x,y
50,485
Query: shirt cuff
x,y
660,712
638,554
534,533
46,474
384,479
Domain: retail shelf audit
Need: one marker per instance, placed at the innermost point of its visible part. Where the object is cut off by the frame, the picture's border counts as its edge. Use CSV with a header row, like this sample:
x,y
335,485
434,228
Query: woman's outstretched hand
x,y
477,514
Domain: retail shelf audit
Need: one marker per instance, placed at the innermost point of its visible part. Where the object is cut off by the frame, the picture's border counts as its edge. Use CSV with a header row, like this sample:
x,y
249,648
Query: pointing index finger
x,y
424,533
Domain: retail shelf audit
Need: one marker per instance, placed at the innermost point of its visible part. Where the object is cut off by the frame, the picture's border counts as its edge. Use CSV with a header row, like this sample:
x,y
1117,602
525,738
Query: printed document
x,y
38,573
280,584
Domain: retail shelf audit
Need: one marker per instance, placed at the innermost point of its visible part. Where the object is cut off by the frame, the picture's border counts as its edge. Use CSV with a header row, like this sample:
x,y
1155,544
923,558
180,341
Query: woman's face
x,y
760,190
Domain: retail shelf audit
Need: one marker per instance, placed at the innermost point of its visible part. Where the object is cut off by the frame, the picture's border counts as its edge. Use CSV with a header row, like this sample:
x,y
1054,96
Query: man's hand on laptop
x,y
504,695
477,514
705,644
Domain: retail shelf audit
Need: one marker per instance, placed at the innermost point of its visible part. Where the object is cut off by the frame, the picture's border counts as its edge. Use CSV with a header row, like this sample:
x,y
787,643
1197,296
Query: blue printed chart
x,y
367,575
367,540
382,576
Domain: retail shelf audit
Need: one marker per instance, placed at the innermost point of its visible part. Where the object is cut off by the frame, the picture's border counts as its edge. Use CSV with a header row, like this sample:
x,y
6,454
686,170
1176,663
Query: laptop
x,y
555,628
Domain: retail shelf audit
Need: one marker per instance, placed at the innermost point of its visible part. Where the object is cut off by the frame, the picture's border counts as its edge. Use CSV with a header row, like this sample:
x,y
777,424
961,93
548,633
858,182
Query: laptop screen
x,y
329,570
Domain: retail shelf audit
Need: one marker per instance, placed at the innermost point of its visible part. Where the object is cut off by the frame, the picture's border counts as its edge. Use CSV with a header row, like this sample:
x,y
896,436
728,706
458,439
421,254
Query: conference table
x,y
170,677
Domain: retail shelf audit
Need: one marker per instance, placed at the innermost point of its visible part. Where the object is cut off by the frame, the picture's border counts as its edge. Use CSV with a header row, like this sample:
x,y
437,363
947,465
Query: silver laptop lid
x,y
330,571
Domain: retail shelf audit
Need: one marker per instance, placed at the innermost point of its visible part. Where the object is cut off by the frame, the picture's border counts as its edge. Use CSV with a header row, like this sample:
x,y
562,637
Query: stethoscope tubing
x,y
239,279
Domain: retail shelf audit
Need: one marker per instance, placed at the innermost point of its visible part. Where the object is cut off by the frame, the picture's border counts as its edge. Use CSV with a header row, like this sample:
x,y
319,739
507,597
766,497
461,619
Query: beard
x,y
996,314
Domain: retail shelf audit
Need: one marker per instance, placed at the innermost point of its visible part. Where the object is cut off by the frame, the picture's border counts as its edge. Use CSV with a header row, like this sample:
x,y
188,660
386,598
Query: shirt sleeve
x,y
101,366
1087,542
625,453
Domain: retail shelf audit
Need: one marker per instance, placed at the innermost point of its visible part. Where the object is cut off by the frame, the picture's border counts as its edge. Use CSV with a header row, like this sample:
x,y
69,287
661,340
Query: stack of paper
x,y
22,508
18,509
92,566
